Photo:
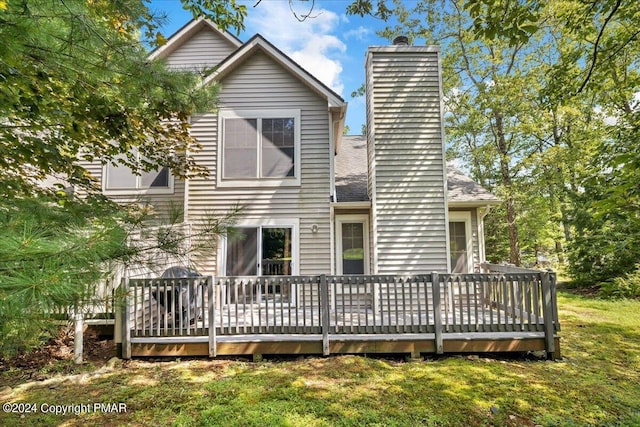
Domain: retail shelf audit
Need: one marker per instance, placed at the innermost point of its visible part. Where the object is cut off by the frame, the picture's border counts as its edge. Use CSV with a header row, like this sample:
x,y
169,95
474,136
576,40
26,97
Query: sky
x,y
331,45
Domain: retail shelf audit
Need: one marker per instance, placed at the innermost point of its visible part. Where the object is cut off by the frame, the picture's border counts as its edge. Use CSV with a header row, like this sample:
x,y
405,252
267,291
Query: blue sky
x,y
331,46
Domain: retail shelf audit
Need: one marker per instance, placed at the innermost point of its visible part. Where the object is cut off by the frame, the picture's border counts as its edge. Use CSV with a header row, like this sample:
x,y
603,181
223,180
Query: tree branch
x,y
596,45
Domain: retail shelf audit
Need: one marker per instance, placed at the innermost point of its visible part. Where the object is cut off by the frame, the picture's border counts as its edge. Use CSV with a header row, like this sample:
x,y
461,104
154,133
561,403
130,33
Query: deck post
x,y
437,311
324,309
126,318
78,336
211,297
547,313
553,280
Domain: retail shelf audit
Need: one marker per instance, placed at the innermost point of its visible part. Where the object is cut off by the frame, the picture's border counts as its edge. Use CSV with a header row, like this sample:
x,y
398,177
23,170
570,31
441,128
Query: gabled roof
x,y
186,32
351,178
259,43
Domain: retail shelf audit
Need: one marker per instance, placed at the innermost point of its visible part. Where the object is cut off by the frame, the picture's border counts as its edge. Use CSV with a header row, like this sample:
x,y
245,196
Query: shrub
x,y
626,286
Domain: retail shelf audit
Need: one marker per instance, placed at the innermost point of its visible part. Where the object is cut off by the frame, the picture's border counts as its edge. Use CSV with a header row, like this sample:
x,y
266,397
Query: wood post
x,y
547,313
211,296
324,313
553,280
437,311
78,337
126,318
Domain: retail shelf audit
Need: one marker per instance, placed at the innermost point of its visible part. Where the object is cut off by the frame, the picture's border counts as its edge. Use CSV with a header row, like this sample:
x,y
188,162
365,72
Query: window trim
x,y
170,189
294,181
352,219
464,216
293,223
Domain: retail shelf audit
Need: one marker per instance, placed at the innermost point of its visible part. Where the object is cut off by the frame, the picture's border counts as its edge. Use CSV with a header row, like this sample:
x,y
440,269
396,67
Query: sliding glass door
x,y
261,251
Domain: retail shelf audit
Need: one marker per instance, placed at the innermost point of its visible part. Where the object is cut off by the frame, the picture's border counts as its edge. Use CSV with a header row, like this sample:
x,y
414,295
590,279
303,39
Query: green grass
x,y
597,382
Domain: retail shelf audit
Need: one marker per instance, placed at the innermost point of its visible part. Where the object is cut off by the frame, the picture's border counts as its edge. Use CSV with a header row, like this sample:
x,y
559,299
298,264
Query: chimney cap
x,y
401,41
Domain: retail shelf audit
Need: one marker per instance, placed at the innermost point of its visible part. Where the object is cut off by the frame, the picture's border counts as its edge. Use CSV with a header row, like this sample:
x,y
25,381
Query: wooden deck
x,y
417,315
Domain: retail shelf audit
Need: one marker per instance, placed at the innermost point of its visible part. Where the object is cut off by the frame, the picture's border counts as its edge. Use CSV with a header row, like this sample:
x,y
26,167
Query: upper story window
x,y
120,179
260,148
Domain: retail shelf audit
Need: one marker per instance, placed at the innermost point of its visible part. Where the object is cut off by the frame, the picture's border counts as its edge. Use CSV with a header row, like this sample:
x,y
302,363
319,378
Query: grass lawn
x,y
596,383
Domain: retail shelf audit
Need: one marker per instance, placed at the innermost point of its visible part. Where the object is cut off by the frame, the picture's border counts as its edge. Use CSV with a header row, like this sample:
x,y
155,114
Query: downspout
x,y
332,238
185,206
332,157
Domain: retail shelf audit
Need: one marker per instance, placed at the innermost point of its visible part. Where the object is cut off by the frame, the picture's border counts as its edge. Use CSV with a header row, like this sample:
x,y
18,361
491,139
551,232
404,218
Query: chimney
x,y
405,147
401,41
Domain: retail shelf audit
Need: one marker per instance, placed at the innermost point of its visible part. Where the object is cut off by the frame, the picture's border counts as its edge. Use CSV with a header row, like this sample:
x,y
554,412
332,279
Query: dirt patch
x,y
588,291
56,357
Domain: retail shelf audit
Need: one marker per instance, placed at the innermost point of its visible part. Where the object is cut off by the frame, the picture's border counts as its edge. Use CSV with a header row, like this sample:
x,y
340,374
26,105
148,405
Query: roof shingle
x,y
351,177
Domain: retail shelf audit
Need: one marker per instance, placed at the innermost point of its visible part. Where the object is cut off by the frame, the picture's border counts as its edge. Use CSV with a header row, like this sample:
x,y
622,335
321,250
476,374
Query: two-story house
x,y
351,234
315,201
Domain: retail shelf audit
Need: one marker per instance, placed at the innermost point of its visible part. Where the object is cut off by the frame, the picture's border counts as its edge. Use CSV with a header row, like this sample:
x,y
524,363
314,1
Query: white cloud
x,y
310,43
358,33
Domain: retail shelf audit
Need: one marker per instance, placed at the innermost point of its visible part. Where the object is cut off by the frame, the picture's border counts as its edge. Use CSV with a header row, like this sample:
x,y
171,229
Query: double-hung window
x,y
120,179
260,148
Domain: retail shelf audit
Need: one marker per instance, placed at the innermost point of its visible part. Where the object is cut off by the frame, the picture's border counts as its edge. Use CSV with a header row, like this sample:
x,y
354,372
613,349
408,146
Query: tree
x,y
54,251
76,84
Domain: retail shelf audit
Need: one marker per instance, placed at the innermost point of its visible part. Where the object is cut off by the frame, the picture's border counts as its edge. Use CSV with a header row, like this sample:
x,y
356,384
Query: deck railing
x,y
522,301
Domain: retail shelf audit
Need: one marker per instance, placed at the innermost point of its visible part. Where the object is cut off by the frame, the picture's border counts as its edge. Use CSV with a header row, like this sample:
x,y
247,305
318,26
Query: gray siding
x,y
260,83
406,154
204,49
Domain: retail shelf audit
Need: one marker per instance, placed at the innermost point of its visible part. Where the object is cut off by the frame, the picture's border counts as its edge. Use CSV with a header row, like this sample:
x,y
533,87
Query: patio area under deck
x,y
490,312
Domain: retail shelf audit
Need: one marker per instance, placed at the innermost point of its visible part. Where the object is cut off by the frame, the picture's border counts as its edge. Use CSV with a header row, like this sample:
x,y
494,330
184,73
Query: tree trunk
x,y
505,172
514,242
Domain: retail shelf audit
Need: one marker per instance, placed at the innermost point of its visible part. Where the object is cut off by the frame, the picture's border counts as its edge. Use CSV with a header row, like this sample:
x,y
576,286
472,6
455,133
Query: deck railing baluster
x,y
527,299
511,285
403,283
375,318
467,278
460,287
476,302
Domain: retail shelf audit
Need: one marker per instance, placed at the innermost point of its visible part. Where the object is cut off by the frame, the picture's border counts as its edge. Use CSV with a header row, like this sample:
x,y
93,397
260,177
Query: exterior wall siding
x,y
406,160
258,84
204,50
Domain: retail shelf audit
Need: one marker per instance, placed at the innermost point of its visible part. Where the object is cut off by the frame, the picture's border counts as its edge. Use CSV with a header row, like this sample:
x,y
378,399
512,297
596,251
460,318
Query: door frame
x,y
260,223
352,219
463,216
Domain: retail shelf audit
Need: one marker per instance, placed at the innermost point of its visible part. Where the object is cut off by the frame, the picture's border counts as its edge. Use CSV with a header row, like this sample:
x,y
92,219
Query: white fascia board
x,y
351,205
473,204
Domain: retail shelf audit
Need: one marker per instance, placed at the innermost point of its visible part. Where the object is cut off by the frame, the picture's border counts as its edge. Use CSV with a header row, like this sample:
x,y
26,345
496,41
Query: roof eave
x,y
352,205
473,203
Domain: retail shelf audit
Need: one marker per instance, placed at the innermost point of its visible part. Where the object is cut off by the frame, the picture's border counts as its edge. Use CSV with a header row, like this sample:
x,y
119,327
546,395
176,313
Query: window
x,y
352,244
260,147
120,179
